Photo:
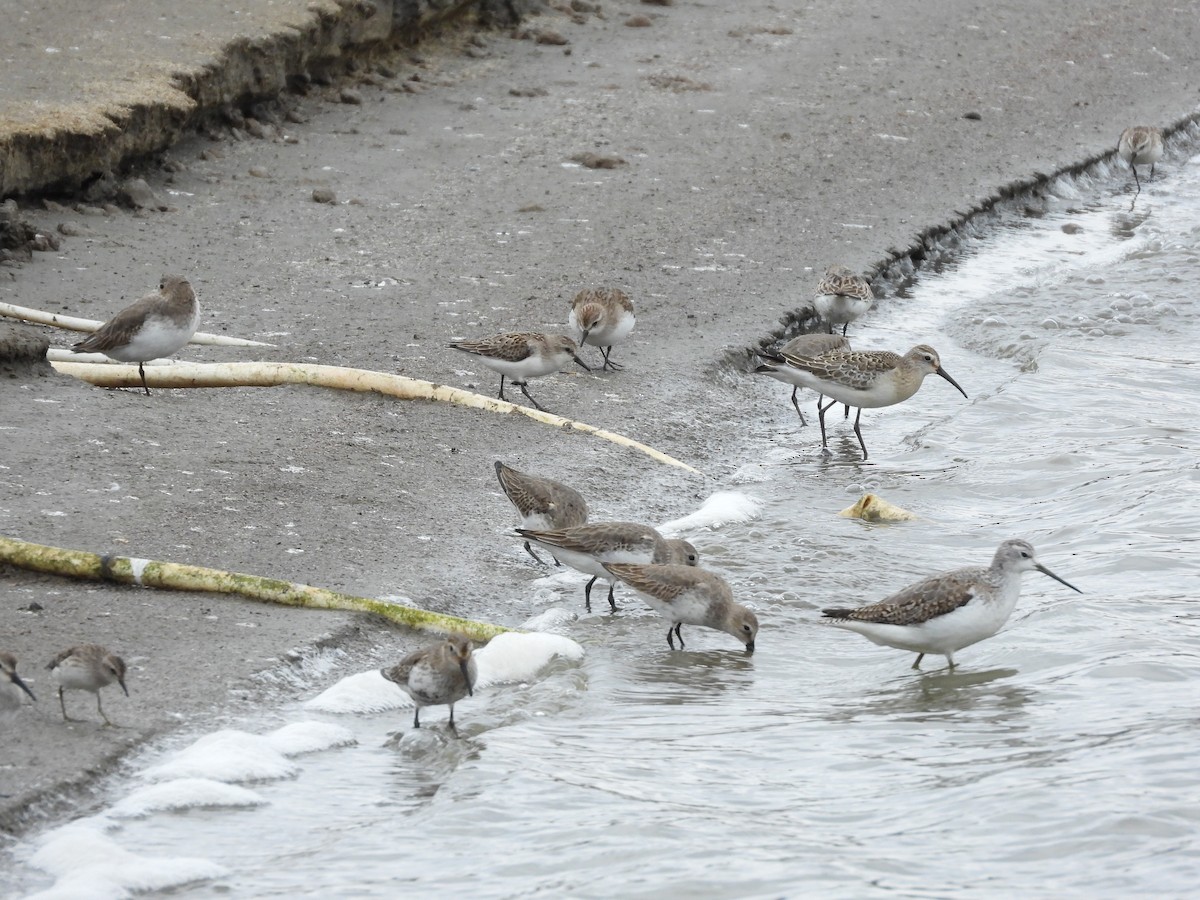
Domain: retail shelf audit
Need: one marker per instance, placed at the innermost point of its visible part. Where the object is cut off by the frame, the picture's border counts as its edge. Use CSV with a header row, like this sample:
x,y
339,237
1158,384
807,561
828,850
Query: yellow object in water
x,y
875,509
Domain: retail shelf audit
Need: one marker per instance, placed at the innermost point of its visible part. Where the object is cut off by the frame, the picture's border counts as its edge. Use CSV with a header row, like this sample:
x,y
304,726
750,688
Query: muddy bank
x,y
757,145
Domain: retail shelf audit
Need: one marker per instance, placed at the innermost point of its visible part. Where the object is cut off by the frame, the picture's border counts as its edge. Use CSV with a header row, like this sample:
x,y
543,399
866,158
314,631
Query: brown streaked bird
x,y
11,685
864,379
435,676
806,346
87,667
842,297
603,317
153,327
543,504
687,596
523,355
1139,145
586,549
947,612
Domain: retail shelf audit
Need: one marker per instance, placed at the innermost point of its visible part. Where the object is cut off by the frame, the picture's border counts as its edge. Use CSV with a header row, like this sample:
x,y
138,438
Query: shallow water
x,y
1057,760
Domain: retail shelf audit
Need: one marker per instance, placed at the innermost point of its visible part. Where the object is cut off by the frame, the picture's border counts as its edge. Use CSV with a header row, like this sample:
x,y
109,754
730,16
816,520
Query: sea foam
x,y
722,508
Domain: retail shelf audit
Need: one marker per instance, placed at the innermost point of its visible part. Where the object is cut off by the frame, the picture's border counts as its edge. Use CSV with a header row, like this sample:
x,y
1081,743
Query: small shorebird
x,y
87,667
437,675
807,346
542,503
687,596
947,612
523,355
1139,145
153,327
586,549
842,297
603,317
864,379
11,685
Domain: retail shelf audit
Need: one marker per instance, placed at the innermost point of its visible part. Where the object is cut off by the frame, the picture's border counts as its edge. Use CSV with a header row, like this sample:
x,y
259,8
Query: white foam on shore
x,y
508,657
309,737
555,620
88,863
227,755
722,508
184,793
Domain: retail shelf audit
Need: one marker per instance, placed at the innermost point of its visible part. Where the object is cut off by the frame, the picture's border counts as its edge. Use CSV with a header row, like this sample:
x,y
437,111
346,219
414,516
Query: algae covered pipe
x,y
180,577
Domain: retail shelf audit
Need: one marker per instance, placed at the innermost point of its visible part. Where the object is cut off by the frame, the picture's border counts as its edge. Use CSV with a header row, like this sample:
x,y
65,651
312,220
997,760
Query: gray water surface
x,y
1058,760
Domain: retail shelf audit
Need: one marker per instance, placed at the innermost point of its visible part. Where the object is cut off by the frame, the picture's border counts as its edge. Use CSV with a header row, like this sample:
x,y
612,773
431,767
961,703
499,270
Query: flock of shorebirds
x,y
938,615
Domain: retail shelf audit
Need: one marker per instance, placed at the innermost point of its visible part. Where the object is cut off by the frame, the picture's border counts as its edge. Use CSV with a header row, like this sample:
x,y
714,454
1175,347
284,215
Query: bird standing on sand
x,y
1139,145
842,297
543,504
153,327
586,548
87,667
806,346
434,676
864,379
947,612
688,596
11,685
523,355
603,317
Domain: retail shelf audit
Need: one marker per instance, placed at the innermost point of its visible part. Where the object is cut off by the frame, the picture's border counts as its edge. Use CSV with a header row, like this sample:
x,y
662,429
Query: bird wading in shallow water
x,y
687,596
1141,145
440,675
153,327
806,346
947,612
864,379
842,297
523,355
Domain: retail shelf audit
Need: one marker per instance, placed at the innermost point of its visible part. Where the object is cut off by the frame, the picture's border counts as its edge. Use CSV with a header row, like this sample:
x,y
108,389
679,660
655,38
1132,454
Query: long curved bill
x,y
462,665
1046,571
16,679
946,375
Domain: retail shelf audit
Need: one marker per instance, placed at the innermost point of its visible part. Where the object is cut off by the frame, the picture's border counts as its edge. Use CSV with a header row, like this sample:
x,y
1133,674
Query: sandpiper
x,y
543,504
153,327
866,379
687,596
523,355
842,297
586,548
432,676
1139,145
807,346
947,612
603,317
87,667
11,685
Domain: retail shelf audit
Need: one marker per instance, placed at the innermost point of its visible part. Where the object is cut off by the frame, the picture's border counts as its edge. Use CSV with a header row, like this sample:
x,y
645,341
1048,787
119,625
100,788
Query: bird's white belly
x,y
530,367
591,565
74,677
838,308
157,337
883,392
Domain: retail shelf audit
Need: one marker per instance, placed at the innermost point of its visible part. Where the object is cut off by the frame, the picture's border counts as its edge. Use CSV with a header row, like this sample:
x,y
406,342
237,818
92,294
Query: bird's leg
x,y
535,556
679,634
612,604
1136,180
63,704
587,593
501,394
100,709
950,659
803,424
844,327
452,728
917,664
608,363
525,391
141,372
821,410
417,717
1151,171
670,639
858,431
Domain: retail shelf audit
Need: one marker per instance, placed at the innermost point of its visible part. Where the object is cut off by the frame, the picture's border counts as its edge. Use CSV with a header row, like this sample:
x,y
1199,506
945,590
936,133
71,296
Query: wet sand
x,y
756,145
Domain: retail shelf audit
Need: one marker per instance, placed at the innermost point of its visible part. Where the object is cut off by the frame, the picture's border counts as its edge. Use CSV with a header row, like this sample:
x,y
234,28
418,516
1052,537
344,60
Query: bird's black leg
x,y
587,593
535,556
502,397
803,424
525,391
857,431
670,638
821,410
417,718
608,363
679,634
917,664
612,604
145,387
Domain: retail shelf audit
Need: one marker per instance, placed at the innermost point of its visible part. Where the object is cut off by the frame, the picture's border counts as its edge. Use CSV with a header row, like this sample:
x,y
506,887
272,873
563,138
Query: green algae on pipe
x,y
181,577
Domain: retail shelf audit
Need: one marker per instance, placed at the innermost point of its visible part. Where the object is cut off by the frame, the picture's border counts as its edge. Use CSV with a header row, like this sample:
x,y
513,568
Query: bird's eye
x,y
746,628
1024,555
